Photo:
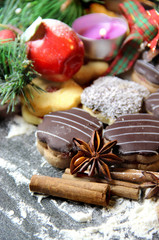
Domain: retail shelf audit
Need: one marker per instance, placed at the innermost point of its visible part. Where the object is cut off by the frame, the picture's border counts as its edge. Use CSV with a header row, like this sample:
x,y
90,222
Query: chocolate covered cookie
x,y
137,138
152,104
146,70
55,134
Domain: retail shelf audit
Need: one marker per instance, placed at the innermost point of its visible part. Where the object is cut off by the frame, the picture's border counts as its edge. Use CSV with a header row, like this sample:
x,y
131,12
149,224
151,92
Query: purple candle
x,y
102,35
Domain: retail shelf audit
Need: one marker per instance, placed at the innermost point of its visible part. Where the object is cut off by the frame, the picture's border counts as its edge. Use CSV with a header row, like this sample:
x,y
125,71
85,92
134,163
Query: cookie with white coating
x,y
110,97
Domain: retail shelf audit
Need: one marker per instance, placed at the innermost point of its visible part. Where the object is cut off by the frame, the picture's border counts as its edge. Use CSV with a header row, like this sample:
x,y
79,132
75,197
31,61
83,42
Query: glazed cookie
x,y
137,138
55,97
55,134
146,70
152,104
147,75
109,97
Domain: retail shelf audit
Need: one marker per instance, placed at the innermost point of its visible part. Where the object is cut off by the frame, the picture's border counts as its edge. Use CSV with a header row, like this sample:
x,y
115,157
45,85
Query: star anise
x,y
94,156
153,184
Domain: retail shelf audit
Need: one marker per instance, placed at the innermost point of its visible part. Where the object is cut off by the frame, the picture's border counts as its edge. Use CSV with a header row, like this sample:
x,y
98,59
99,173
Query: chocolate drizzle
x,y
148,70
135,134
59,128
152,104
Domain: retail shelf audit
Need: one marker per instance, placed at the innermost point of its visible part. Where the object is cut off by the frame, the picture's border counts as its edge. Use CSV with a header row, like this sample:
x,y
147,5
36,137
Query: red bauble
x,y
7,35
56,50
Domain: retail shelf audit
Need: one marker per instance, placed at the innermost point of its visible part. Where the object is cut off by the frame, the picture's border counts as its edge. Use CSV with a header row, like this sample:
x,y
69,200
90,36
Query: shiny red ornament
x,y
56,50
7,35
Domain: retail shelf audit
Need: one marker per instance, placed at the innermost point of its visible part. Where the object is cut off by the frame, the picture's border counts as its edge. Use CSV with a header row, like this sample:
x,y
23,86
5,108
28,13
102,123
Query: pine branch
x,y
21,13
16,73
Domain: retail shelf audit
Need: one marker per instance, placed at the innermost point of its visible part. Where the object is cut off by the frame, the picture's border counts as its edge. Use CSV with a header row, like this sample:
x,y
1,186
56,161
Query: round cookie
x,y
55,96
146,74
137,138
90,71
55,134
152,104
110,97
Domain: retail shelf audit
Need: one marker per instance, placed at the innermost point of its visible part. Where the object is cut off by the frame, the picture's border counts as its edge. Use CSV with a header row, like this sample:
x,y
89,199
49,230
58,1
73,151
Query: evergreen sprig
x,y
16,72
21,13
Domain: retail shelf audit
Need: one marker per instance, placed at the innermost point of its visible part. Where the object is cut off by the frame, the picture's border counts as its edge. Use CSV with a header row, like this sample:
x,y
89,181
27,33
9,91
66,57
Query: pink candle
x,y
102,35
108,30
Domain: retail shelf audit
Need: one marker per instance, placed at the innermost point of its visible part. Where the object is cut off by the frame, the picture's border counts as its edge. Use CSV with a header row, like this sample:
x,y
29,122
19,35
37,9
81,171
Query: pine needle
x,y
16,72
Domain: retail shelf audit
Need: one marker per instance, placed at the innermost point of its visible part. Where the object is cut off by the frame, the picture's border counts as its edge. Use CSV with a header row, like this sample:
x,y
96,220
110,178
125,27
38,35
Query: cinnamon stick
x,y
87,192
131,175
117,188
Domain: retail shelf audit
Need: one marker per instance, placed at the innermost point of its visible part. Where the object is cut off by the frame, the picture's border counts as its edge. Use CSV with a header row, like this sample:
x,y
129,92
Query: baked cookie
x,y
55,97
152,104
90,71
146,71
55,134
137,138
110,97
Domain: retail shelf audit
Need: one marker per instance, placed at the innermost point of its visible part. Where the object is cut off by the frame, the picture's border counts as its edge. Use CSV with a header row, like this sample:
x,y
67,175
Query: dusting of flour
x,y
124,220
19,127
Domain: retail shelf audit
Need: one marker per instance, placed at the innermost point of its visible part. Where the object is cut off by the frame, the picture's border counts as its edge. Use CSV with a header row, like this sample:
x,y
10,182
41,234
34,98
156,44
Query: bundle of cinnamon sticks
x,y
126,183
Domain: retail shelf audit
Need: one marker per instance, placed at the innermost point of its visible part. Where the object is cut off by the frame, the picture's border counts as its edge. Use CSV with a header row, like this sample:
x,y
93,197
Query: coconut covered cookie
x,y
110,97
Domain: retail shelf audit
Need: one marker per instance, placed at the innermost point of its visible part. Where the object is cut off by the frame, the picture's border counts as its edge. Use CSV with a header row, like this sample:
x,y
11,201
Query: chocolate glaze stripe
x,y
153,100
153,94
138,151
138,120
51,134
122,134
70,121
131,142
81,118
72,127
157,106
135,126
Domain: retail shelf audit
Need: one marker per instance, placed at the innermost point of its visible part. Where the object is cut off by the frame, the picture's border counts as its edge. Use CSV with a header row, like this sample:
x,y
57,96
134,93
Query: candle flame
x,y
102,32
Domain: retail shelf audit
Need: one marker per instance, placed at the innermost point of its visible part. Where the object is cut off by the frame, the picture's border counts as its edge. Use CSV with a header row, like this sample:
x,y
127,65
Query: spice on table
x,y
153,184
86,192
95,156
117,188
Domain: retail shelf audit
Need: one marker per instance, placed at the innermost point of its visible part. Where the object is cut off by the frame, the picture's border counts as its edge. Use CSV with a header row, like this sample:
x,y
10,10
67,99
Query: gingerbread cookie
x,y
137,138
55,97
55,134
110,97
152,104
